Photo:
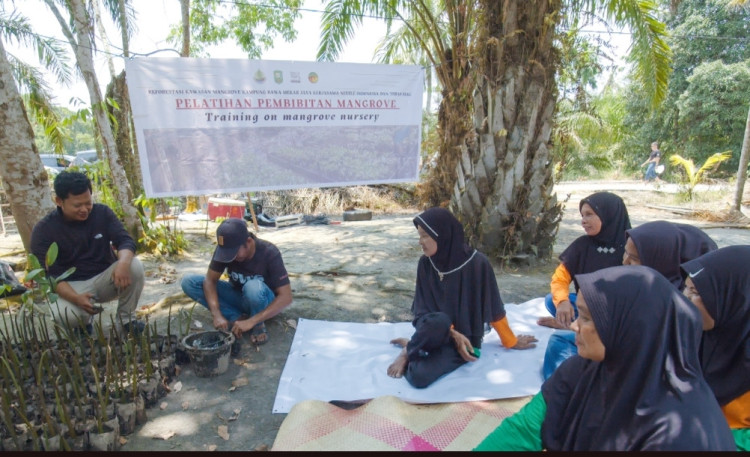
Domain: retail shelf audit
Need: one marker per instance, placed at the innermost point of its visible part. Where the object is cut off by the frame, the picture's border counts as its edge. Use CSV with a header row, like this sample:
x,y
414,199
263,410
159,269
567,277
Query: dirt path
x,y
353,271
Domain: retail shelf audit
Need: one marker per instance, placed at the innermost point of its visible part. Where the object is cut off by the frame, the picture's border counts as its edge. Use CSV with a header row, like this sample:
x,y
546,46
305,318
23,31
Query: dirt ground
x,y
351,271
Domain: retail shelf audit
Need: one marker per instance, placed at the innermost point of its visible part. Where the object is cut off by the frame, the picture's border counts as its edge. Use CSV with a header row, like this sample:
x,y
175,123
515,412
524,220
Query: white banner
x,y
207,126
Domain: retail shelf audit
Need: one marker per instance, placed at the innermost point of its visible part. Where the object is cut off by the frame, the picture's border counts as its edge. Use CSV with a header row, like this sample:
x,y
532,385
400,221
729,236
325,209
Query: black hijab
x,y
722,278
664,245
457,280
648,393
605,249
448,232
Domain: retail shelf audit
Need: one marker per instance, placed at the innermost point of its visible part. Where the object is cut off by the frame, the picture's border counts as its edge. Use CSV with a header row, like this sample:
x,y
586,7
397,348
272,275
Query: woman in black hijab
x,y
605,219
664,246
636,383
718,283
456,295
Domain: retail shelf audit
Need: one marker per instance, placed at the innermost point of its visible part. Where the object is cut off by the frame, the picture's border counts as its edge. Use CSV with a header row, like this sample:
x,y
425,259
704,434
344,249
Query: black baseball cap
x,y
231,234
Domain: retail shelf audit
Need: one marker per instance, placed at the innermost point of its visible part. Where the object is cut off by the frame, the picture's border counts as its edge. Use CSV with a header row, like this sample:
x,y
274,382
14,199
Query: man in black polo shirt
x,y
258,286
92,239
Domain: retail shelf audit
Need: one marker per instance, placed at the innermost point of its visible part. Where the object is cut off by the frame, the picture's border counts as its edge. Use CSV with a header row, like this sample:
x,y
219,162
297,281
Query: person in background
x,y
636,383
605,219
258,286
718,283
664,246
653,160
92,240
456,295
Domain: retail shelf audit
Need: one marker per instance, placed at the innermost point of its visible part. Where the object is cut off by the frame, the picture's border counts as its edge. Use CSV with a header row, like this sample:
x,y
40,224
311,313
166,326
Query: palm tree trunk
x,y
185,16
504,192
742,170
117,90
23,176
84,57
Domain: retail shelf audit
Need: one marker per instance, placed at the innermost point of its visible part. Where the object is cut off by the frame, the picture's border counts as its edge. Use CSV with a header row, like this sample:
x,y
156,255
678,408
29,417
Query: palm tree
x,y
78,33
496,62
23,176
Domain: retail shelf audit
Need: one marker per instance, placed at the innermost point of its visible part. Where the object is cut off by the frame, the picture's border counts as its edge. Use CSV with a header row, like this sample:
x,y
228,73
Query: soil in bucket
x,y
209,352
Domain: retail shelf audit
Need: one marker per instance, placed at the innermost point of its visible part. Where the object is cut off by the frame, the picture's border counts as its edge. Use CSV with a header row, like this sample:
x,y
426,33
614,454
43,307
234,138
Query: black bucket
x,y
209,352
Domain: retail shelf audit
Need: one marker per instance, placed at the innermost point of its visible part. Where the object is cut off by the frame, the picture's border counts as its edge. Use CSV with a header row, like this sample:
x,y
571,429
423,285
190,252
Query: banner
x,y
208,126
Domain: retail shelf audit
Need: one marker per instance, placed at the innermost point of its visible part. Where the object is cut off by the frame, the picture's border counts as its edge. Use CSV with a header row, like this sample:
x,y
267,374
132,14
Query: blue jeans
x,y
562,343
252,298
651,172
551,306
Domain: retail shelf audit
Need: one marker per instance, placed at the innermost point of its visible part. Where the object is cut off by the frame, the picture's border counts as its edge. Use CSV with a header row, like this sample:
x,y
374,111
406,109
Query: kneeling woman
x,y
456,295
636,383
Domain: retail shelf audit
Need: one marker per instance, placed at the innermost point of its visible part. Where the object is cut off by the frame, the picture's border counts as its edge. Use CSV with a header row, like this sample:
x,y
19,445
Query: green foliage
x,y
580,64
692,176
592,141
702,31
37,274
29,79
713,108
101,180
252,26
158,238
73,130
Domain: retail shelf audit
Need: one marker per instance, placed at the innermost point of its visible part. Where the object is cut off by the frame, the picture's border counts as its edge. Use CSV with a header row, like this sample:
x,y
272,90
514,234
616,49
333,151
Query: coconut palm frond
x,y
51,53
650,53
713,162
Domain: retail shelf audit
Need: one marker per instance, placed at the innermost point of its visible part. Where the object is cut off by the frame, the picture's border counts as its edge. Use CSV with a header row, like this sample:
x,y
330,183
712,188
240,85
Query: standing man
x,y
653,161
258,286
91,239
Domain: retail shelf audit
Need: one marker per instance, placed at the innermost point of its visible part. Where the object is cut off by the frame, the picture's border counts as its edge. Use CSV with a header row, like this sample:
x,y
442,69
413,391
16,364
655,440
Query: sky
x,y
154,18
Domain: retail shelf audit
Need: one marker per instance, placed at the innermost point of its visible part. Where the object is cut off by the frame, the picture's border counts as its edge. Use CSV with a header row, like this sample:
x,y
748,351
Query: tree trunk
x,y
742,169
185,16
124,28
118,91
454,123
105,40
84,57
22,174
504,192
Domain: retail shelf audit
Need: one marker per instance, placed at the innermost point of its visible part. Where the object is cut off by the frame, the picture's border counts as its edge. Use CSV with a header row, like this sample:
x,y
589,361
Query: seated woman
x,y
605,219
664,246
718,283
456,295
636,383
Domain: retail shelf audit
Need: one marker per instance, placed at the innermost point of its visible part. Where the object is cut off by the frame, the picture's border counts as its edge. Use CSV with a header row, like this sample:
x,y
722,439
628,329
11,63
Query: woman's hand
x,y
565,314
463,346
525,342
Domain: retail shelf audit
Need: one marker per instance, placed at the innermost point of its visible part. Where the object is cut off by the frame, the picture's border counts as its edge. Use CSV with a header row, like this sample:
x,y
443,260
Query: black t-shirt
x,y
266,262
86,245
654,154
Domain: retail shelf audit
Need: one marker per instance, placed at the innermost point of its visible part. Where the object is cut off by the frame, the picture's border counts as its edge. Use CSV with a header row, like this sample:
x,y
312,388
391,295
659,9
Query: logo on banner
x,y
259,76
312,77
278,76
